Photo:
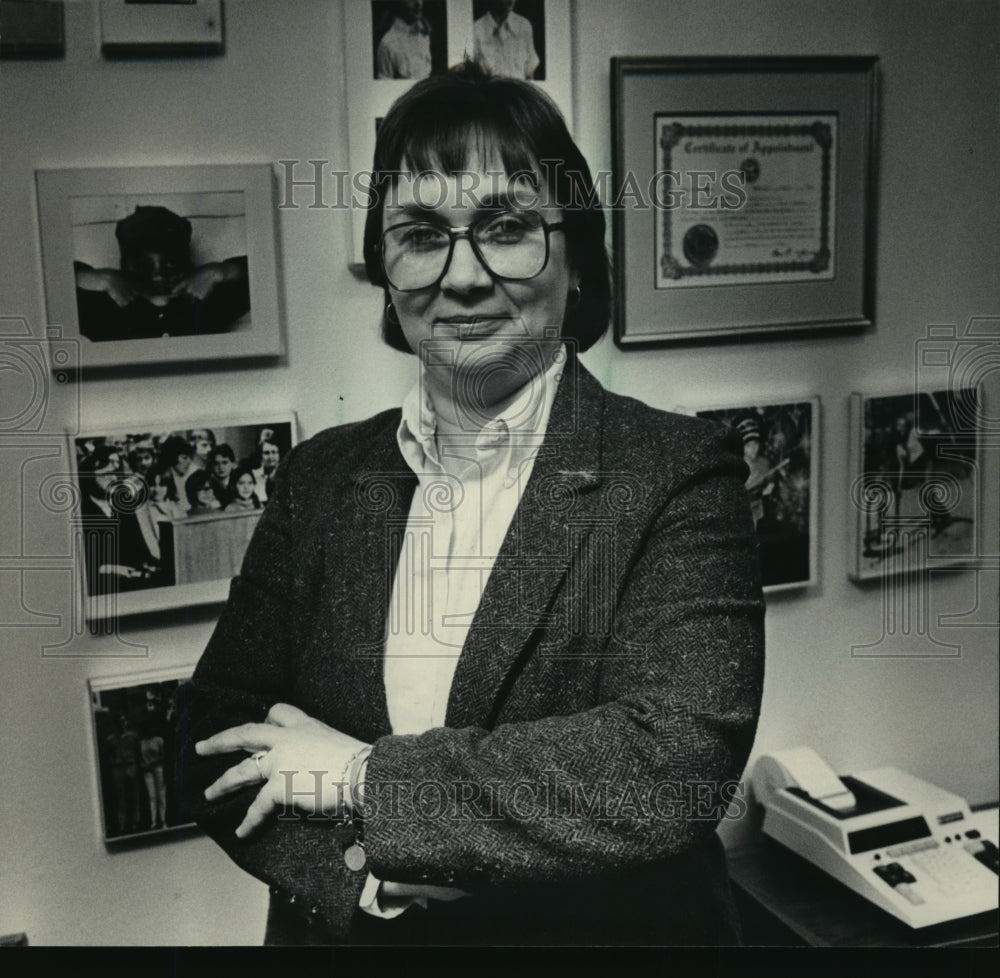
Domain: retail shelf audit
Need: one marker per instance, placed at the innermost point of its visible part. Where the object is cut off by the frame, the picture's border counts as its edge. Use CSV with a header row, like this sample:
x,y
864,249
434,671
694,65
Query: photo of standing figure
x,y
135,736
780,449
917,492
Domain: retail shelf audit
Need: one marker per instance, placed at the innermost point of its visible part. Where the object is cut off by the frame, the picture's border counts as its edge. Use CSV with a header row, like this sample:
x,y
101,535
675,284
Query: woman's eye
x,y
506,228
422,236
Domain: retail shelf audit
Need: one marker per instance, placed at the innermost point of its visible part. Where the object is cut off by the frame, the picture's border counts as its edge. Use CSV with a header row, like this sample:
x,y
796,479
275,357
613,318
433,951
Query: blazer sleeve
x,y
643,775
249,664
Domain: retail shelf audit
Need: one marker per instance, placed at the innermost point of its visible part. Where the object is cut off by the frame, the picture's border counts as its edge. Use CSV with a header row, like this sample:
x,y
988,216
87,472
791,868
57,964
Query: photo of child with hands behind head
x,y
158,290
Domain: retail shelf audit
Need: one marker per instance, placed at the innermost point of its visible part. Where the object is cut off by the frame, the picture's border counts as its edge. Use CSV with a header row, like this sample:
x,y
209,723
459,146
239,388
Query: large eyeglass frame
x,y
466,231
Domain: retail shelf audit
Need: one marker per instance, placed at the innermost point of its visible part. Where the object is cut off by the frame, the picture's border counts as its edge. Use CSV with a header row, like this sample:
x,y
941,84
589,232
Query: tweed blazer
x,y
603,706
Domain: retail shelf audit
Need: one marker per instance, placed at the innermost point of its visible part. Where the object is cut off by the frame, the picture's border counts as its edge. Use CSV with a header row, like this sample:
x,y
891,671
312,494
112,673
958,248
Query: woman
x,y
244,490
500,652
201,494
164,508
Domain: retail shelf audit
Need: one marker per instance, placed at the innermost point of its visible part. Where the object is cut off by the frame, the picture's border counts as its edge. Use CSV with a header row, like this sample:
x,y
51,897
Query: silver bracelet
x,y
357,764
351,834
348,777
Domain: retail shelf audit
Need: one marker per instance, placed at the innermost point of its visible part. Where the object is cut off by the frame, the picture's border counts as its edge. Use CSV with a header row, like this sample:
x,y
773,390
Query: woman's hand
x,y
302,765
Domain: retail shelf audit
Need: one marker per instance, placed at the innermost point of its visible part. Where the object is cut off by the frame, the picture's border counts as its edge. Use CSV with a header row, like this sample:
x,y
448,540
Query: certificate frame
x,y
138,549
369,97
783,483
915,493
230,209
751,181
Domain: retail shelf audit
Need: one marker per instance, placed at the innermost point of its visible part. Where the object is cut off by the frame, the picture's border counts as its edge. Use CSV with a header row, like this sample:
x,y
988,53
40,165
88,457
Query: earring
x,y
390,315
573,301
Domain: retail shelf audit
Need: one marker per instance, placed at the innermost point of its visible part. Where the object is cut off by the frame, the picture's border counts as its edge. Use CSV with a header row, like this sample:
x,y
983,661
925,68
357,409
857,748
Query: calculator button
x,y
910,892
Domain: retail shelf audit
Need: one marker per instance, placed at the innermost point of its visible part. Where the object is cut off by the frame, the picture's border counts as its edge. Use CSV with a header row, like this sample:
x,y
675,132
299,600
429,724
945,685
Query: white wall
x,y
279,93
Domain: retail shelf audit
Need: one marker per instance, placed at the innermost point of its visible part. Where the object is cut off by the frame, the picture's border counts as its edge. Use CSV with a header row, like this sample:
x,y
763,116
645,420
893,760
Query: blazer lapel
x,y
362,551
537,550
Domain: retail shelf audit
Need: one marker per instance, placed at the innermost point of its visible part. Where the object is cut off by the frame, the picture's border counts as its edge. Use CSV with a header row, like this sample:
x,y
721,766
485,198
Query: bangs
x,y
467,145
454,130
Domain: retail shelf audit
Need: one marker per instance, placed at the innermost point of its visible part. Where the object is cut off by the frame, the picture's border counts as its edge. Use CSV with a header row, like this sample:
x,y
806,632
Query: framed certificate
x,y
742,196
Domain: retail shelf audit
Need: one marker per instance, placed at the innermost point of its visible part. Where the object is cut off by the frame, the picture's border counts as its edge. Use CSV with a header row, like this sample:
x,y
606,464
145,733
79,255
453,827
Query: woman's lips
x,y
474,327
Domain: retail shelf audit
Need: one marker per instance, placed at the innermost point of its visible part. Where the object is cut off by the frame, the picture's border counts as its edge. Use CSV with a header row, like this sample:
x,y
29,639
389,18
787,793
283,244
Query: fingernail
x,y
199,747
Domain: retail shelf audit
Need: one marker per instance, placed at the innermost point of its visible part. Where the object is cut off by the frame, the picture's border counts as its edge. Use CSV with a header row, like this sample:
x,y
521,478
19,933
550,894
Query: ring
x,y
256,758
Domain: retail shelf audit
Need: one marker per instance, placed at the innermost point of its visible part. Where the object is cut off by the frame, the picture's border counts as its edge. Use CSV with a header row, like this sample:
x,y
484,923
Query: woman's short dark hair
x,y
198,480
428,128
245,468
162,476
225,451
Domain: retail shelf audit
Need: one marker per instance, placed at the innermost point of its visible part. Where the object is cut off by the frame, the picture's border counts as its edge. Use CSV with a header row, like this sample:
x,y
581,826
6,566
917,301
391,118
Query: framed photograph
x,y
164,514
150,265
390,44
743,196
31,29
781,448
157,28
914,482
134,722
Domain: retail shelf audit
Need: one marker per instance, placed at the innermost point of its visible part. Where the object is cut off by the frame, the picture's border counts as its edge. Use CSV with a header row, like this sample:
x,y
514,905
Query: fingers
x,y
247,736
185,290
257,813
238,776
120,293
286,715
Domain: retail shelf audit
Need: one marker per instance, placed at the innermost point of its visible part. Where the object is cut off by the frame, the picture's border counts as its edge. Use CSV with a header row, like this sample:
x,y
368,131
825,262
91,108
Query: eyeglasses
x,y
512,245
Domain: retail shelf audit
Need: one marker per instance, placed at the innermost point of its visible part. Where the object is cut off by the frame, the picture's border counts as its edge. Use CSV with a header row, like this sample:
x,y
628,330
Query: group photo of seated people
x,y
132,484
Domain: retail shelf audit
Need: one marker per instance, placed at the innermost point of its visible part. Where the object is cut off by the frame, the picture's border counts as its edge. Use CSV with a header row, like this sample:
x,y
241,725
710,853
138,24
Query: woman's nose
x,y
465,271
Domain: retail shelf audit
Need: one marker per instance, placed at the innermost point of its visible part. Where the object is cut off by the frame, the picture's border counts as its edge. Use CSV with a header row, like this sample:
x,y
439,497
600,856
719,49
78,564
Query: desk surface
x,y
814,908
